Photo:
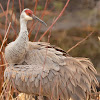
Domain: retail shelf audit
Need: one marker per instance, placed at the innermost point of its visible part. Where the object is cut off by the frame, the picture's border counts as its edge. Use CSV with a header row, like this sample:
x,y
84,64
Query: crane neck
x,y
23,34
23,26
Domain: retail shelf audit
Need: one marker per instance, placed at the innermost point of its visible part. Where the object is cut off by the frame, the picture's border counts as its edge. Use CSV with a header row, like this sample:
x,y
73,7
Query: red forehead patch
x,y
29,12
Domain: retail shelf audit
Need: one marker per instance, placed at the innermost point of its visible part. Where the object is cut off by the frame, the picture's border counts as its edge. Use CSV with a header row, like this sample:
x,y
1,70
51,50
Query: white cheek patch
x,y
28,17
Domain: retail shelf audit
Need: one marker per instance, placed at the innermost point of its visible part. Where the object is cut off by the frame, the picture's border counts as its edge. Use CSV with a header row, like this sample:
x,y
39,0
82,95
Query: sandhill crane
x,y
39,68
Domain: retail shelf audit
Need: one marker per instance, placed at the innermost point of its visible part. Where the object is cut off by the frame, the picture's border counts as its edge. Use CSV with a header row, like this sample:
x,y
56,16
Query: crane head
x,y
27,14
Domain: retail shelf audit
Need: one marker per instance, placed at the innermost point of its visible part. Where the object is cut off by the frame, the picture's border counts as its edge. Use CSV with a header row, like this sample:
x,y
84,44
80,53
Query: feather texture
x,y
60,76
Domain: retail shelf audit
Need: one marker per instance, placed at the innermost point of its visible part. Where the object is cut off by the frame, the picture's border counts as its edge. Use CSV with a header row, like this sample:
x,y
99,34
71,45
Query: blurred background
x,y
80,18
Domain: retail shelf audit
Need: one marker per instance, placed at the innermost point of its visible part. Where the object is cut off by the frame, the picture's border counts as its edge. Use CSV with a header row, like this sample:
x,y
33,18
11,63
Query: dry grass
x,y
99,38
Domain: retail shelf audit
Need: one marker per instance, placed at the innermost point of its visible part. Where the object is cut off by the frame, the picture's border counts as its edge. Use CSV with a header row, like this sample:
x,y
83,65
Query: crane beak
x,y
41,21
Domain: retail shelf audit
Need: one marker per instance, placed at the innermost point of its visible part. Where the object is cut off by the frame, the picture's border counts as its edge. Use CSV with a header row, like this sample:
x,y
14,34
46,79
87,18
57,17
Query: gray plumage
x,y
40,68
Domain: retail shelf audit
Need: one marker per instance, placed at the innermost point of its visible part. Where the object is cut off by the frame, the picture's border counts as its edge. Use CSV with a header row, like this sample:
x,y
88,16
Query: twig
x,y
36,2
46,4
5,36
4,65
80,42
33,26
4,59
6,15
55,20
20,6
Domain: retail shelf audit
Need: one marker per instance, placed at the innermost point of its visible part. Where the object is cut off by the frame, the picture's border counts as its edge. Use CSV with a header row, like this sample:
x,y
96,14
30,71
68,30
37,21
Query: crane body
x,y
39,68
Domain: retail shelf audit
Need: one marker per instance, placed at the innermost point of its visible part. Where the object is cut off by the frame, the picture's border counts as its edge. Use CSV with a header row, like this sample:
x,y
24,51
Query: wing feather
x,y
59,75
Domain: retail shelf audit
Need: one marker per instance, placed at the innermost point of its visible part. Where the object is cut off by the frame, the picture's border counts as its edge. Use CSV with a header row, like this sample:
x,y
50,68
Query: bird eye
x,y
29,12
